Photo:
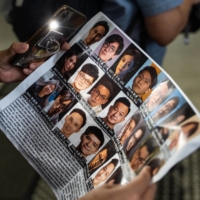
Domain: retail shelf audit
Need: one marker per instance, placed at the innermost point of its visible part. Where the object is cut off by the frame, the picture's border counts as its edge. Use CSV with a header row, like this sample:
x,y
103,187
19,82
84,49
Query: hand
x,y
9,73
139,189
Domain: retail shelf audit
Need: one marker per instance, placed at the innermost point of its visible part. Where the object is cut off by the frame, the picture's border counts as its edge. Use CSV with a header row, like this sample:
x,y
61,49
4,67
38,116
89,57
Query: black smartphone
x,y
47,40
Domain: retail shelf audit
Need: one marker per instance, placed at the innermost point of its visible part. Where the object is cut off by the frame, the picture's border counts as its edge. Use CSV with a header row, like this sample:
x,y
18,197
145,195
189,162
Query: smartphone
x,y
47,40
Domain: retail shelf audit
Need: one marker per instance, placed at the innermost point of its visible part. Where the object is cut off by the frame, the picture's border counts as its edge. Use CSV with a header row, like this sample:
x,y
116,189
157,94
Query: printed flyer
x,y
98,113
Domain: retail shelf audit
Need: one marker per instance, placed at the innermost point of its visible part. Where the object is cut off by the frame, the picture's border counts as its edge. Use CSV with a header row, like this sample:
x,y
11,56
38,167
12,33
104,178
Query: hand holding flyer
x,y
140,189
99,113
7,72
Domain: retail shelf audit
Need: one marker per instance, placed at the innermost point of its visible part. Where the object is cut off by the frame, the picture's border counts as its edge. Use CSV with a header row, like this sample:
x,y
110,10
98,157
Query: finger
x,y
65,46
150,192
142,181
16,47
27,71
19,47
34,66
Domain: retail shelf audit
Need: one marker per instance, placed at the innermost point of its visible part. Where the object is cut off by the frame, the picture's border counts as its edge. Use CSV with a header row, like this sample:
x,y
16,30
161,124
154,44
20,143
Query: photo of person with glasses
x,y
112,46
88,74
99,95
145,80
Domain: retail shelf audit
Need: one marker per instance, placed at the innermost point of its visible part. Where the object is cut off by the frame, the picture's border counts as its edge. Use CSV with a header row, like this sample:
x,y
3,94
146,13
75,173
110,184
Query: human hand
x,y
9,73
138,189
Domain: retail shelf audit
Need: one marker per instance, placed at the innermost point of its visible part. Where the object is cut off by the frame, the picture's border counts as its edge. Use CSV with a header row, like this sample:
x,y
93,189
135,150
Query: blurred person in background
x,y
151,24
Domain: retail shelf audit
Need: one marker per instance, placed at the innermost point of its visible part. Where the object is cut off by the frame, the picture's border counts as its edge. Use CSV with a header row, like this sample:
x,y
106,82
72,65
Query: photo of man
x,y
159,94
145,80
117,112
112,46
85,77
60,104
73,122
105,172
99,95
91,140
96,33
143,153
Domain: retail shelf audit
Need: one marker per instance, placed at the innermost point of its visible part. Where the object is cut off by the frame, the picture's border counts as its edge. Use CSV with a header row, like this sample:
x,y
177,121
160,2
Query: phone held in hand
x,y
47,40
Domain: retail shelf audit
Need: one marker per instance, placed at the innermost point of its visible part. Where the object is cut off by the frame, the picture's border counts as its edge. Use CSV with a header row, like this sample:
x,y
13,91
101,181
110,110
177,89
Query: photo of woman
x,y
42,90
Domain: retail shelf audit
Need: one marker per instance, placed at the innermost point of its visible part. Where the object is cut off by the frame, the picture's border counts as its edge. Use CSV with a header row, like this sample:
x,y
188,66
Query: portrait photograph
x,y
173,102
59,106
101,94
118,112
131,124
106,152
85,76
145,151
105,171
144,80
70,61
179,116
97,32
111,47
128,63
45,89
159,93
135,139
182,134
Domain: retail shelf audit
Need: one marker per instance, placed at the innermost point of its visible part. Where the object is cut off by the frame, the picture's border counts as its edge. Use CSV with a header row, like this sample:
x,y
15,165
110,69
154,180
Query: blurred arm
x,y
164,27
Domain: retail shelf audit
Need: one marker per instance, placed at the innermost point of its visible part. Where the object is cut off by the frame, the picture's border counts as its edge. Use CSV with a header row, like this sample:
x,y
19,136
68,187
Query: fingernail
x,y
26,71
32,66
23,46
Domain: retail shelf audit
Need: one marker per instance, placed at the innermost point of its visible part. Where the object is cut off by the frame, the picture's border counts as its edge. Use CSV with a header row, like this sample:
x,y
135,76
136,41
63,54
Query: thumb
x,y
16,47
141,182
